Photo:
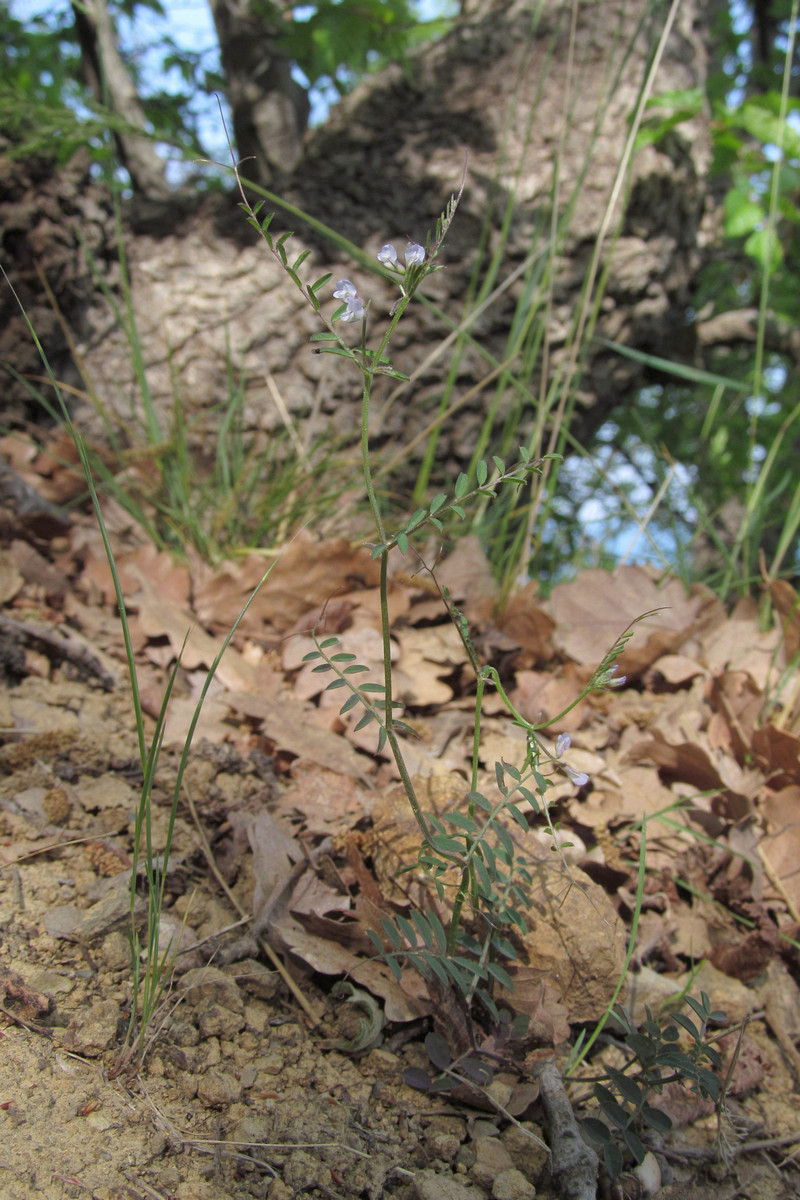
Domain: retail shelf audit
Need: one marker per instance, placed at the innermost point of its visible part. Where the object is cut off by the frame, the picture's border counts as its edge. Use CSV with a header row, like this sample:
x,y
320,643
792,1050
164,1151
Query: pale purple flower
x,y
344,290
414,255
387,255
563,744
355,310
579,778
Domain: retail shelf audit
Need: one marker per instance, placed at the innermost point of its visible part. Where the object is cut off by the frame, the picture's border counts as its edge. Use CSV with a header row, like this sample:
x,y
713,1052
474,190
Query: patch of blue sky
x,y
190,27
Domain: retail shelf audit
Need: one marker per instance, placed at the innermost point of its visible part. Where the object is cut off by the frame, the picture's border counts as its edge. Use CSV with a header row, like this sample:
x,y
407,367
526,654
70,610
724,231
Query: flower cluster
x,y
563,743
414,256
345,290
605,677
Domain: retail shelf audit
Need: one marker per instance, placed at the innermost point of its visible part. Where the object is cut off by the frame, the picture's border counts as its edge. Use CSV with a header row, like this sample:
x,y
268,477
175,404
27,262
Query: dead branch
x,y
574,1163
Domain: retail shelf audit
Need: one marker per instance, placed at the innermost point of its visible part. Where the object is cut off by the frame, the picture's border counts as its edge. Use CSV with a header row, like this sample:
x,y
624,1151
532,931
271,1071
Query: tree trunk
x,y
109,79
521,88
269,108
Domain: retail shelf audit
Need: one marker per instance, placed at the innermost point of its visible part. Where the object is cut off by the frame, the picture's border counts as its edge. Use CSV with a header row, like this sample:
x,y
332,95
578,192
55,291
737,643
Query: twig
x,y
55,646
705,1152
199,1143
498,1107
574,1163
29,1025
262,942
12,862
134,1179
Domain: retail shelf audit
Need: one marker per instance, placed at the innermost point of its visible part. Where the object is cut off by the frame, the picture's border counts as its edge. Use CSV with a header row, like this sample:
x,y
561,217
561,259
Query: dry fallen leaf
x,y
288,724
306,575
592,612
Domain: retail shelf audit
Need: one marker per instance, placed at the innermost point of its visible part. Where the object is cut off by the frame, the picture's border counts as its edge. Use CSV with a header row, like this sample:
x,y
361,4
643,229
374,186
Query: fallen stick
x,y
574,1164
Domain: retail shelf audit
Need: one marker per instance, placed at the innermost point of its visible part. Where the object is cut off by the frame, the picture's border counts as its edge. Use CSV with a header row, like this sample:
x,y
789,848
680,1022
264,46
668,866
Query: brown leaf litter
x,y
242,1093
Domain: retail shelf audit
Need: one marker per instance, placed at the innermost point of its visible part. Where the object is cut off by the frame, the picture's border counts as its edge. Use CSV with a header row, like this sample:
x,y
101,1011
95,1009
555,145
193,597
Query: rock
x,y
304,1171
648,1173
50,983
647,987
256,1016
92,1031
575,940
482,1127
512,1185
279,1191
500,1091
85,925
116,951
444,1146
428,1185
176,938
491,1157
255,978
527,1156
212,984
270,1064
218,1088
182,1032
214,1020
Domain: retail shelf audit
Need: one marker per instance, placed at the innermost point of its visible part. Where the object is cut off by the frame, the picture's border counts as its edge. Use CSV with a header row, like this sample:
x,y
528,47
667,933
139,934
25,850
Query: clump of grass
x,y
150,960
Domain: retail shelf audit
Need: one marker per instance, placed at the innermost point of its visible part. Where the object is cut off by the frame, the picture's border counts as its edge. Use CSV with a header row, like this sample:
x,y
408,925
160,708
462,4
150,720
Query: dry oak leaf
x,y
781,847
306,575
274,854
676,669
739,644
592,612
329,802
426,655
168,578
778,753
787,605
289,725
467,575
160,617
543,694
525,622
690,763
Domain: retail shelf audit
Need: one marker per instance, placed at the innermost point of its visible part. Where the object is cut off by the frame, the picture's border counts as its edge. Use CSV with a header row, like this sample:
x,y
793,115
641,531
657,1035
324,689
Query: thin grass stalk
x,y
590,296
558,395
482,282
755,488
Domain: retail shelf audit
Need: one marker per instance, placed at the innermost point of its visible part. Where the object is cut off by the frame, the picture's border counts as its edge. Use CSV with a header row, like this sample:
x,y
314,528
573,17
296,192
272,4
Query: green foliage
x,y
661,1054
42,104
440,507
45,107
341,41
732,425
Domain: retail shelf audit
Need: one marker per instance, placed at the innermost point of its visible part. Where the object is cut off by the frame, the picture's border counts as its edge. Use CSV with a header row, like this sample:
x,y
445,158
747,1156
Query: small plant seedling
x,y
660,1054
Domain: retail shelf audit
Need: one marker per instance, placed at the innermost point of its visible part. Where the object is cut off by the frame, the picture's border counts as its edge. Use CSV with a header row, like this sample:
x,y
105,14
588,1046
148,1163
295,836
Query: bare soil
x,y
241,1091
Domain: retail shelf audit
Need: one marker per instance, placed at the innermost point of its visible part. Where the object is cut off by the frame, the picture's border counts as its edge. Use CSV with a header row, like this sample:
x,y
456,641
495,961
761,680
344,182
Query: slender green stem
x,y
391,736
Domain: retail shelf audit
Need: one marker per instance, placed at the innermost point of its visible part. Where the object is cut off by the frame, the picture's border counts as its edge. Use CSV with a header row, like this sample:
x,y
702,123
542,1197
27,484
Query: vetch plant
x,y
657,1057
479,873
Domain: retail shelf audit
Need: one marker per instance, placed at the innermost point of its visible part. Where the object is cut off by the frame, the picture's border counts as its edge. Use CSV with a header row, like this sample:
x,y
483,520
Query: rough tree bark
x,y
519,87
269,108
